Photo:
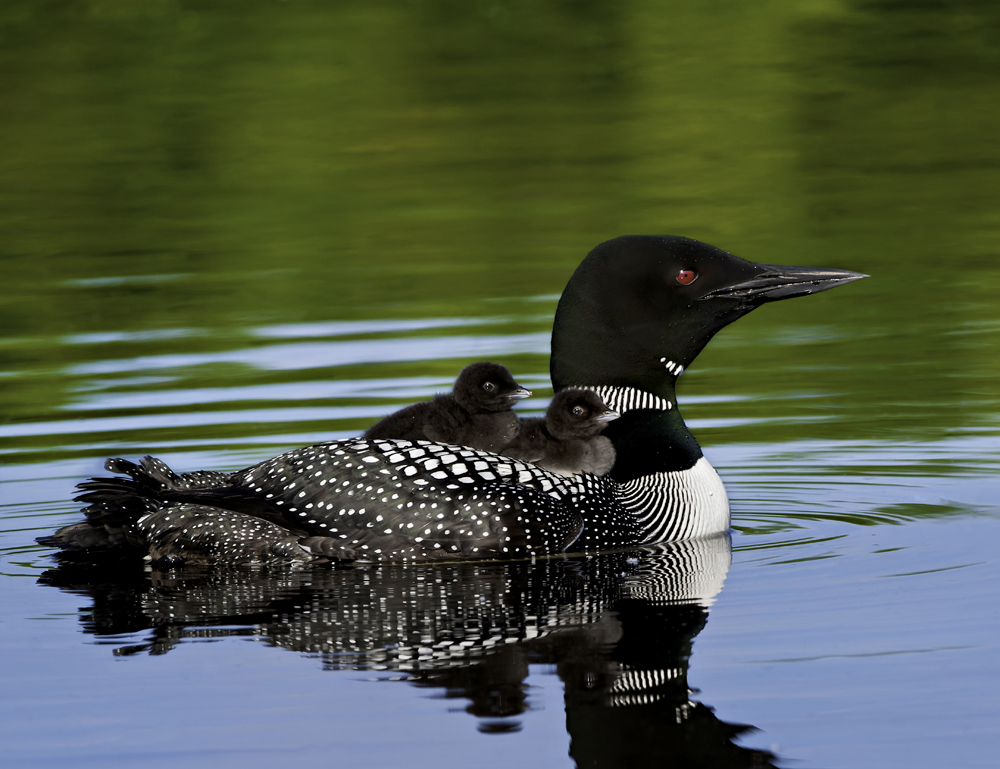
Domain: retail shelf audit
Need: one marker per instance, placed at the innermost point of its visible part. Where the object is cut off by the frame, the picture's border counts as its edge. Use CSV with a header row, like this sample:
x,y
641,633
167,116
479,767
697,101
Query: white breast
x,y
678,505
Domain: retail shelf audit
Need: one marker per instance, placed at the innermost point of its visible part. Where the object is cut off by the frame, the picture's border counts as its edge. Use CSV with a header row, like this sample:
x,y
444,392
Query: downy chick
x,y
476,413
566,441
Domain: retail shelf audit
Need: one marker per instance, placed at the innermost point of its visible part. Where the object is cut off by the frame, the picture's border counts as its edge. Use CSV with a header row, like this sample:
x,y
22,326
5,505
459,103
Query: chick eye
x,y
578,410
687,277
489,387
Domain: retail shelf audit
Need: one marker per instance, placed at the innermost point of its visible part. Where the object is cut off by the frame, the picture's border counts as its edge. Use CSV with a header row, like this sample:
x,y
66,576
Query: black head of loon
x,y
637,312
633,316
640,308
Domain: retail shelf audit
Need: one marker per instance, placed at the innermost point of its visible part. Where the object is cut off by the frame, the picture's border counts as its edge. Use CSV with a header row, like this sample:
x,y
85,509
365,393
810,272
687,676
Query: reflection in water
x,y
617,627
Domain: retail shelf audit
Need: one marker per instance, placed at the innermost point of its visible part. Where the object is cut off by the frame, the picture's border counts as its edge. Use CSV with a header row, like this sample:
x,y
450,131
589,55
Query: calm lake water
x,y
228,230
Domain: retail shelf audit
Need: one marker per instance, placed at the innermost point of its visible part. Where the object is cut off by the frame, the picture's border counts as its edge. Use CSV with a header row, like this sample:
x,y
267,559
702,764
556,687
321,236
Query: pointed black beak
x,y
519,393
607,416
780,282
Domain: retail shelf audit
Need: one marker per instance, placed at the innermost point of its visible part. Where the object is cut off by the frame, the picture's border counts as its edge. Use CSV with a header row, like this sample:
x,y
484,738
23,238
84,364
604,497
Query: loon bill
x,y
632,318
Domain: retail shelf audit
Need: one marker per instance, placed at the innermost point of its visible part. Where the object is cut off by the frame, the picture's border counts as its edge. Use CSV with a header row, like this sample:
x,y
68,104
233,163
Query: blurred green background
x,y
173,174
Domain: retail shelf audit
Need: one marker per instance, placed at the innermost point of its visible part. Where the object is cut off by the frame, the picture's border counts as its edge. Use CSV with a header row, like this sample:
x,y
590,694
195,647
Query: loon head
x,y
639,308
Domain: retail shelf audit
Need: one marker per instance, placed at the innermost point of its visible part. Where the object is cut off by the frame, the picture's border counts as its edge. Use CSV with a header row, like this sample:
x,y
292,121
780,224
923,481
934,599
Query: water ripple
x,y
295,357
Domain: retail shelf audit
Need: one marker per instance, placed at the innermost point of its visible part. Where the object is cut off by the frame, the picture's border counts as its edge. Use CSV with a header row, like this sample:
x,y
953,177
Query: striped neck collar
x,y
623,399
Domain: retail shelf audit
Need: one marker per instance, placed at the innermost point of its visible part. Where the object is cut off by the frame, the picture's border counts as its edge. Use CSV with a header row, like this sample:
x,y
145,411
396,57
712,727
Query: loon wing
x,y
350,499
417,499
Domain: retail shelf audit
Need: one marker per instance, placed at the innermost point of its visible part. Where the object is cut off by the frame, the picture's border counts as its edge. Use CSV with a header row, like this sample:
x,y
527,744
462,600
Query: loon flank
x,y
633,316
566,441
475,414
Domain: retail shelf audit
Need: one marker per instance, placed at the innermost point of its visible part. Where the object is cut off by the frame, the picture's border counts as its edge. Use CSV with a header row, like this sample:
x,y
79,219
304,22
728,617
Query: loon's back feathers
x,y
396,500
566,441
632,318
476,413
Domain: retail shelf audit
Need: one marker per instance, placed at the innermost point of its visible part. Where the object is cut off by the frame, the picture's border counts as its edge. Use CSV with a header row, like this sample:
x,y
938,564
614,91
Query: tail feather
x,y
114,504
155,471
174,519
153,476
150,475
82,536
147,486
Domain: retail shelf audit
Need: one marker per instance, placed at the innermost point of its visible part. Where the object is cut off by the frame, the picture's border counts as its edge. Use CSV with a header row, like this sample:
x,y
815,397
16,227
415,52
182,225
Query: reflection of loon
x,y
617,627
634,315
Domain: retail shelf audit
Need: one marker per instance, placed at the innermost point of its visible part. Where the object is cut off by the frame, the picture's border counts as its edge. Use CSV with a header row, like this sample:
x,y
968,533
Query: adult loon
x,y
632,318
566,441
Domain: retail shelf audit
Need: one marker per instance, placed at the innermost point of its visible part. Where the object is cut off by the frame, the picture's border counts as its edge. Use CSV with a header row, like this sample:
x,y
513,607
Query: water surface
x,y
229,232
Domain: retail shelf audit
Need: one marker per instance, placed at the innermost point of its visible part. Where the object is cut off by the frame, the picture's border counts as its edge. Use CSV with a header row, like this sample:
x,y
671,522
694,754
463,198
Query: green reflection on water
x,y
207,170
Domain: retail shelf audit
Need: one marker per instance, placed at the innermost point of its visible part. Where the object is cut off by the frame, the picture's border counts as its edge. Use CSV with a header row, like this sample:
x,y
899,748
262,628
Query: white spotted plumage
x,y
376,500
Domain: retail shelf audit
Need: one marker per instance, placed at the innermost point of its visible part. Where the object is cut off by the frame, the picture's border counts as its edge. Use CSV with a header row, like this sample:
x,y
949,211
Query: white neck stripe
x,y
623,399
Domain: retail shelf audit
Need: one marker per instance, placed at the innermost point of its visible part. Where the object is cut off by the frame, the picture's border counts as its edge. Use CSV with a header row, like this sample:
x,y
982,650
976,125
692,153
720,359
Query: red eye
x,y
687,277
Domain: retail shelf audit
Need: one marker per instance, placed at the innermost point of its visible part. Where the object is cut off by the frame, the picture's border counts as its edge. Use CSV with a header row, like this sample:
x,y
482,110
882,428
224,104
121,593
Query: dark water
x,y
233,229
